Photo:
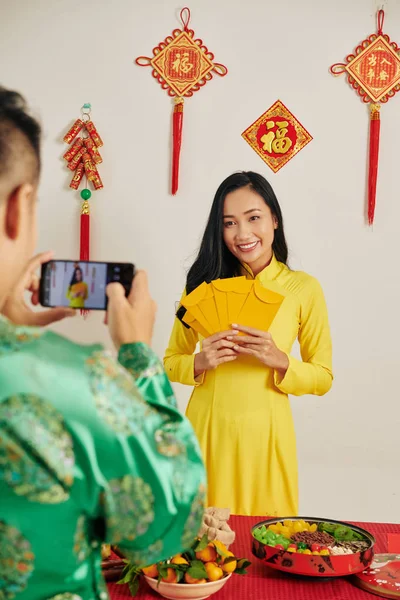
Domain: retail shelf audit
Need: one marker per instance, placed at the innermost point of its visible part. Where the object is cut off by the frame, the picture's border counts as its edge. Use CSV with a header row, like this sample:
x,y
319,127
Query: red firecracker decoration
x,y
373,70
82,158
182,65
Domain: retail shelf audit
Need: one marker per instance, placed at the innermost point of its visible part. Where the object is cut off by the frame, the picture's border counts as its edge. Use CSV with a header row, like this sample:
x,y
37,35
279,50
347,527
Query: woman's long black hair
x,y
73,278
214,260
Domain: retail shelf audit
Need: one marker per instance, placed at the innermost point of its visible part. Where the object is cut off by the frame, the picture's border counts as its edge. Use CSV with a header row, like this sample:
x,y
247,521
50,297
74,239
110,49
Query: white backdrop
x,y
62,53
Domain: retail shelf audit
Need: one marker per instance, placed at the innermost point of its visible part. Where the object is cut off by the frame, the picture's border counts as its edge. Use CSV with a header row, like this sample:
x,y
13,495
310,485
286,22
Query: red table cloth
x,y
262,583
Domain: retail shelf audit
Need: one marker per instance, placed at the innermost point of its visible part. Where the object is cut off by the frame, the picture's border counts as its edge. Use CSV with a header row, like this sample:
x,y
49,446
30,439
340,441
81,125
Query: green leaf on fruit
x,y
203,543
134,586
129,574
221,553
163,571
189,555
230,559
197,570
180,575
243,563
126,579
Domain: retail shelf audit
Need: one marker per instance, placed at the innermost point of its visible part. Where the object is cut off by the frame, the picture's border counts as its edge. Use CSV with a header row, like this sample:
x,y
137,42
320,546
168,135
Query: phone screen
x,y
81,284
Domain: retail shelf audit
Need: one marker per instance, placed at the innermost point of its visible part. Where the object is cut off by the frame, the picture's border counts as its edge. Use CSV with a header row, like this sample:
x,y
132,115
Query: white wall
x,y
62,53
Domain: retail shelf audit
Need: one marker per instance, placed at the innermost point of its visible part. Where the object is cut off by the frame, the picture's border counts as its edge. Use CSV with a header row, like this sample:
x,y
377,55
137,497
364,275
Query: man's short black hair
x,y
19,136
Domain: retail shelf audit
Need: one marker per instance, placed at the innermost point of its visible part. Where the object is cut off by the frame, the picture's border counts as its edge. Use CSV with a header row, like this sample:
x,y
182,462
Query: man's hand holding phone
x,y
18,311
131,319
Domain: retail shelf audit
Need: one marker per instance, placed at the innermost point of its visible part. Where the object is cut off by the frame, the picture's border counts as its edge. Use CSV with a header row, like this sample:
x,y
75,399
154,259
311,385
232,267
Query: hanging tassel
x,y
176,142
85,234
85,231
374,132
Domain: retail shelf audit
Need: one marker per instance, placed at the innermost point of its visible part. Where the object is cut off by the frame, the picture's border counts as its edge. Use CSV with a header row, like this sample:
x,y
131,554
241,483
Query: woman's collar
x,y
269,272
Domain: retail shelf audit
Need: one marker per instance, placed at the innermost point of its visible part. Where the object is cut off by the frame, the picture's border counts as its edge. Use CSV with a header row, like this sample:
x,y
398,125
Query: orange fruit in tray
x,y
220,546
214,572
209,554
191,580
179,560
230,566
171,576
151,571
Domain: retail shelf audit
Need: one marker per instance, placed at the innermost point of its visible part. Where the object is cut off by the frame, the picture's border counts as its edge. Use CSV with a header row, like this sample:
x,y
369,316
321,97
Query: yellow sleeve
x,y
69,292
179,356
312,375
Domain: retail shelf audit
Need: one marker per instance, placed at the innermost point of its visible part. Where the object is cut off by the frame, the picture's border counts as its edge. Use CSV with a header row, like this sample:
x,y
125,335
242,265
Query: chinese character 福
x,y
276,141
181,64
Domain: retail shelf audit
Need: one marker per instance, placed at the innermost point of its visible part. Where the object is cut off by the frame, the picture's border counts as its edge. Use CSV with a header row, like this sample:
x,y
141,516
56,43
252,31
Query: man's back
x,y
90,451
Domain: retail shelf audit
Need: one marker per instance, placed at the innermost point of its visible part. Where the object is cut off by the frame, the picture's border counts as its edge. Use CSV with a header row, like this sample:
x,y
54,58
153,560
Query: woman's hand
x,y
15,307
216,350
131,319
260,344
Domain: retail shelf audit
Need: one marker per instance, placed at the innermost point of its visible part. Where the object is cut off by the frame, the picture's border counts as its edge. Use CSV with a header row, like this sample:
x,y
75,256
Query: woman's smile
x,y
249,247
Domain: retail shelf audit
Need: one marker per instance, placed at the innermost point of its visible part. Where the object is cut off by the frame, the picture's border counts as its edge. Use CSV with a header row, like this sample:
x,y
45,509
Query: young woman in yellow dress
x,y
77,291
240,408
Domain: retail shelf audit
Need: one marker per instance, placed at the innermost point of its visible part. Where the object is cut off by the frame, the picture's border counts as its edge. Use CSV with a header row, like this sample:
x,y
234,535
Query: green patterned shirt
x,y
91,450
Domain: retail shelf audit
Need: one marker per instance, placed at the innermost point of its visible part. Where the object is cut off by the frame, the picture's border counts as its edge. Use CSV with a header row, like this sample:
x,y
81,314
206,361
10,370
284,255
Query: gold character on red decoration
x,y
73,131
181,64
77,178
92,150
89,167
76,160
93,133
69,155
383,75
276,141
372,60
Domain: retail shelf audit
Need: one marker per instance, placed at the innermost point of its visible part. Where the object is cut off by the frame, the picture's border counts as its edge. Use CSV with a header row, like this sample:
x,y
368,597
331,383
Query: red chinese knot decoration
x,y
373,70
182,65
277,136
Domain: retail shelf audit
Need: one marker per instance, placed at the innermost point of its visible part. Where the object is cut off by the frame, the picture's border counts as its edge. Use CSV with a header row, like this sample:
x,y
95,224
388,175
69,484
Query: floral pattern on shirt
x,y
140,360
36,450
101,586
124,412
169,445
16,561
167,442
66,596
195,517
81,544
147,556
129,505
12,337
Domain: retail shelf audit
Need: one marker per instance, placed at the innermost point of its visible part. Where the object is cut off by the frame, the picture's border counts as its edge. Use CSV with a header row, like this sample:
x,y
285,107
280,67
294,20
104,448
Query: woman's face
x,y
78,275
249,228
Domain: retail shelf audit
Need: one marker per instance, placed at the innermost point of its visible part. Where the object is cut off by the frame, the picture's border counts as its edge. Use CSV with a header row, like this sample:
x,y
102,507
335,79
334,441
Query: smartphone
x,y
81,284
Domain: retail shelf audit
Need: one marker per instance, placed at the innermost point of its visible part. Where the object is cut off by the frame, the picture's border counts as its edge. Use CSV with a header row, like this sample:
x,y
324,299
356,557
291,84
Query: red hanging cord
x,y
381,18
374,134
176,142
185,18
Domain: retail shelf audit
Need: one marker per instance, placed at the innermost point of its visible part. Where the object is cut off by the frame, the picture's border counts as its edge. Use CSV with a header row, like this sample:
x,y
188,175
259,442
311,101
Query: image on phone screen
x,y
81,284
